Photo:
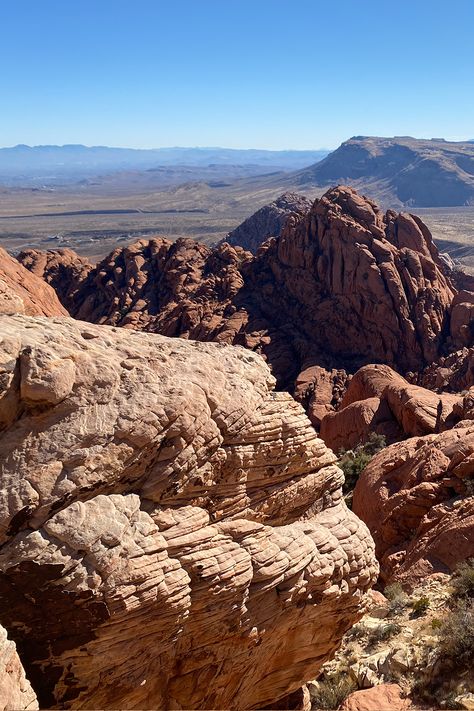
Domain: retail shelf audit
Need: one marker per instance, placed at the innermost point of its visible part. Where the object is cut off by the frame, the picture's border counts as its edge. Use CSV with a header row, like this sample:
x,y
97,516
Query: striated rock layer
x,y
344,285
172,531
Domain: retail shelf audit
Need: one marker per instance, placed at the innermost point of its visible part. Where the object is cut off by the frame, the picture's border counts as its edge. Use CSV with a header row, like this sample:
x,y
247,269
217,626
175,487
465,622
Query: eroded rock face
x,y
343,286
63,269
23,292
268,221
380,400
15,690
167,520
417,498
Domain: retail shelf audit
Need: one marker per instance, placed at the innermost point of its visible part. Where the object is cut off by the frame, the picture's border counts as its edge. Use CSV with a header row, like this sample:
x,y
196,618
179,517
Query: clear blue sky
x,y
263,74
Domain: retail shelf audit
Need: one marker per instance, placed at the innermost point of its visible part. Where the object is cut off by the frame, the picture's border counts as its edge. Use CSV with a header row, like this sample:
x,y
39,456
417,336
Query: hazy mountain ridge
x,y
79,161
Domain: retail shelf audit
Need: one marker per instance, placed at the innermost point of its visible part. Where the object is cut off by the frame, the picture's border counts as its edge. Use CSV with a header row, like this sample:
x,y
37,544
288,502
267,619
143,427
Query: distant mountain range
x,y
54,164
400,171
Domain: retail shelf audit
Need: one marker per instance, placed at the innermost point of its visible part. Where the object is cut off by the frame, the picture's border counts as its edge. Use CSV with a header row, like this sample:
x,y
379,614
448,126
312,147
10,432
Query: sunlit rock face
x,y
172,530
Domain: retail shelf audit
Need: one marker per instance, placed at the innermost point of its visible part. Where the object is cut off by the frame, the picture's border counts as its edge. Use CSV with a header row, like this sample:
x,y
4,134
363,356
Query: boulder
x,y
167,520
417,499
380,400
384,697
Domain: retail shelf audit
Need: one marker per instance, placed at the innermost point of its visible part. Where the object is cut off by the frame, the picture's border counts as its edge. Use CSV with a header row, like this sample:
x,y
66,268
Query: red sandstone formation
x,y
63,269
343,286
416,497
380,400
23,292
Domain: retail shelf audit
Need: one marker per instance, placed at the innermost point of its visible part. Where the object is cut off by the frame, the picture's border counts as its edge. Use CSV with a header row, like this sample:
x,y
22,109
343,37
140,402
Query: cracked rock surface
x,y
172,531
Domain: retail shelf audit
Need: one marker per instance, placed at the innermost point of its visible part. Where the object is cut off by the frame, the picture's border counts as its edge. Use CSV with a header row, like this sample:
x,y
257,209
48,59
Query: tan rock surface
x,y
384,697
23,292
173,532
417,499
16,693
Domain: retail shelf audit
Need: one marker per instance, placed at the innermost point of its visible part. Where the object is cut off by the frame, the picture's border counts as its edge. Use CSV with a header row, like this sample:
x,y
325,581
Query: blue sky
x,y
262,74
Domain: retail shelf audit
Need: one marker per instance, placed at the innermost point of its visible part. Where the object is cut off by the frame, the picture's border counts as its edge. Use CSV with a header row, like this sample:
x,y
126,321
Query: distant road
x,y
131,211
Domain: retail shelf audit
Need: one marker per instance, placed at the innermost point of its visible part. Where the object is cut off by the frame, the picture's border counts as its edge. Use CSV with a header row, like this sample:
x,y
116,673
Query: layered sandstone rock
x,y
380,400
343,286
173,532
16,693
23,292
63,269
417,499
268,221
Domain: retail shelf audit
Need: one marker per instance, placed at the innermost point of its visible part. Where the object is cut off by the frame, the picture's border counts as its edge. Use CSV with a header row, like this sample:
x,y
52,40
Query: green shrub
x,y
332,691
354,461
436,623
463,580
420,606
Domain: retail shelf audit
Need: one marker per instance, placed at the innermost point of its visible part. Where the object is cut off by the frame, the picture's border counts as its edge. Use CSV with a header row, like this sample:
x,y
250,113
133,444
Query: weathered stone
x,y
167,521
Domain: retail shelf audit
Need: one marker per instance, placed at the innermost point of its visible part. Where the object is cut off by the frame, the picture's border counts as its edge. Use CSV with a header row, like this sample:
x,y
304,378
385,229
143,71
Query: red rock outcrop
x,y
320,391
342,286
23,292
417,499
380,400
63,269
452,373
268,221
167,521
16,693
383,697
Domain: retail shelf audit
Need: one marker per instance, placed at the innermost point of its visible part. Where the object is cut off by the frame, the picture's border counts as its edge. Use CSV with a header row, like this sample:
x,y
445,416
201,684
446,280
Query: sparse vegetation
x,y
457,633
383,633
397,598
354,461
463,580
420,606
332,691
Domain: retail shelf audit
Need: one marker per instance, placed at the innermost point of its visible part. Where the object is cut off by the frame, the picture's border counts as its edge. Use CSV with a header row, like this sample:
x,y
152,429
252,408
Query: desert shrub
x,y
436,623
354,461
357,632
420,606
462,580
457,633
332,691
382,633
398,599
